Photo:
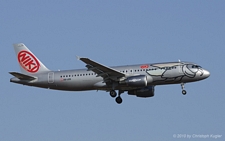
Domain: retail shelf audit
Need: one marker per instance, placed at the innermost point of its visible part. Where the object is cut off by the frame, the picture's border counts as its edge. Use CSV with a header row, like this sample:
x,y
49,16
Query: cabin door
x,y
51,77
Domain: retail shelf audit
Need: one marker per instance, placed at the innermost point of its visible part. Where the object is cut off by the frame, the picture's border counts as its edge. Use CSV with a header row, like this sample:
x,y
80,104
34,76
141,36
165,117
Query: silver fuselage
x,y
82,79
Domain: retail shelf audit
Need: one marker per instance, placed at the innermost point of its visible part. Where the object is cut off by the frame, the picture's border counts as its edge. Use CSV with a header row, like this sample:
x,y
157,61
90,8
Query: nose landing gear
x,y
184,92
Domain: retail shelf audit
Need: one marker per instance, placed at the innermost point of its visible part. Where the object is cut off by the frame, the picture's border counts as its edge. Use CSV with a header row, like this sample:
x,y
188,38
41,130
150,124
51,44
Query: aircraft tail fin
x,y
29,63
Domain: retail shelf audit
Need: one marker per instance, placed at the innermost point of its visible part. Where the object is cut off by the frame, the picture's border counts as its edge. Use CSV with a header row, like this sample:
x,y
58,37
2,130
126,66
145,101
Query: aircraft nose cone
x,y
206,74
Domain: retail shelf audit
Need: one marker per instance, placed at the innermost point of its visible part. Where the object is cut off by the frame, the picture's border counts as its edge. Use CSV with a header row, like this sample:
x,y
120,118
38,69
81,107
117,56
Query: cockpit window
x,y
196,66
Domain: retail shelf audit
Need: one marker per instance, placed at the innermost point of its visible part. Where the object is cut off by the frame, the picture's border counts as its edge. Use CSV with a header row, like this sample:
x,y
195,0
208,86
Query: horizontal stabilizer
x,y
22,76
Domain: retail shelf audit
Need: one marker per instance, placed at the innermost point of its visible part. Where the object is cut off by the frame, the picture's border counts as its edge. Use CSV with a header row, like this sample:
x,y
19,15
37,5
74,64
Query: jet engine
x,y
136,81
143,92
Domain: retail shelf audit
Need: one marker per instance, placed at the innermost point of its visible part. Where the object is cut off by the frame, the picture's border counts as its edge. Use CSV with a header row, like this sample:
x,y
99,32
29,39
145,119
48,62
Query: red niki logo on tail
x,y
28,61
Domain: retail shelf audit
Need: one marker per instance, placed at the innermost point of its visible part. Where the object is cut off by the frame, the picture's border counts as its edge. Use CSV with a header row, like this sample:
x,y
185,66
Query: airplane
x,y
138,80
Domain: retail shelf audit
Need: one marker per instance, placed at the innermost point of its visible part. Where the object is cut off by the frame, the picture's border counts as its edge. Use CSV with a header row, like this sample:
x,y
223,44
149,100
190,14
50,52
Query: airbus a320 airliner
x,y
138,80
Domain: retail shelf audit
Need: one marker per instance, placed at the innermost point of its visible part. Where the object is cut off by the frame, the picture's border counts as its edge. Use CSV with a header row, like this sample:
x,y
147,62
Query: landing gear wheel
x,y
119,100
113,93
184,92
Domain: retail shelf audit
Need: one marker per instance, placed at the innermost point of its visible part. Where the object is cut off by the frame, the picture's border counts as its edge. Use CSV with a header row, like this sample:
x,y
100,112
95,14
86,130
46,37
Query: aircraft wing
x,y
101,70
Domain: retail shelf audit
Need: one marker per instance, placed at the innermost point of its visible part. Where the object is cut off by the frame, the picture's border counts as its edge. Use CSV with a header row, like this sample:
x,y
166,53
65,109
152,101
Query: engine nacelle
x,y
143,92
136,81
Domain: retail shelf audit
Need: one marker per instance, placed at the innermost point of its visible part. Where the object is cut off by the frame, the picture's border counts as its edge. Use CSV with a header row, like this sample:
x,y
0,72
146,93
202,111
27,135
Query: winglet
x,y
78,58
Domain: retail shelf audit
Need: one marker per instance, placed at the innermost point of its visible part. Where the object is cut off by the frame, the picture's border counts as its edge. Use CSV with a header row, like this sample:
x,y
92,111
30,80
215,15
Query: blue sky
x,y
113,33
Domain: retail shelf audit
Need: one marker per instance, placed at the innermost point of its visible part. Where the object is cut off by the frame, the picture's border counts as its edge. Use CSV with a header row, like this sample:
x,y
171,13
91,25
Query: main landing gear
x,y
118,99
184,92
113,93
